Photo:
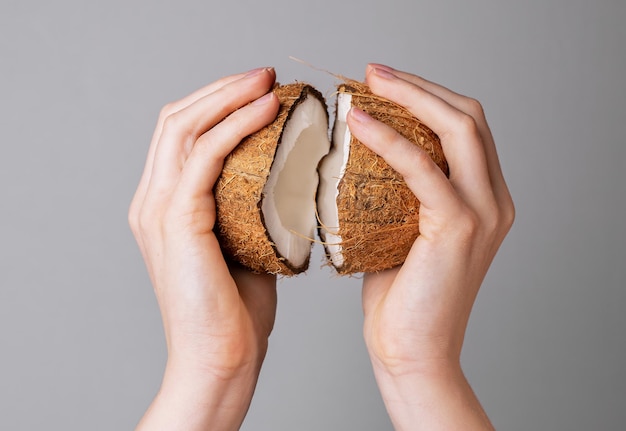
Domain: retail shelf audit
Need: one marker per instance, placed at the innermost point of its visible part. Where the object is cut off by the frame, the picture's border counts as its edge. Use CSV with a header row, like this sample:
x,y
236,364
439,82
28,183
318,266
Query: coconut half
x,y
368,216
265,194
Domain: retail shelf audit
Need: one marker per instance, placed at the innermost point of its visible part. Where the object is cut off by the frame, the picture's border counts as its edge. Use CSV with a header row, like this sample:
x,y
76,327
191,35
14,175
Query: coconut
x,y
265,194
369,218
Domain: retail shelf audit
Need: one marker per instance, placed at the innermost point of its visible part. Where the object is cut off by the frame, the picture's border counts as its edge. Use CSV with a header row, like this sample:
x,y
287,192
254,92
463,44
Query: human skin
x,y
416,314
217,319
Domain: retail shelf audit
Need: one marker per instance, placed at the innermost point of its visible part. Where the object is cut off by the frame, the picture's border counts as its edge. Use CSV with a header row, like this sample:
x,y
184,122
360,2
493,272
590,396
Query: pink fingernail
x,y
263,100
382,67
383,73
360,116
255,72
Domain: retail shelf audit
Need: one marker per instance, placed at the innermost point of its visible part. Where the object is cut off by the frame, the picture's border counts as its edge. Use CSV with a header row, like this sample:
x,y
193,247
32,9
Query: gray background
x,y
81,86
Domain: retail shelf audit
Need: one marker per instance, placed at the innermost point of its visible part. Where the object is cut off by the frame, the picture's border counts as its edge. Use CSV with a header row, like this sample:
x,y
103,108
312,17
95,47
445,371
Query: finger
x,y
469,106
204,164
498,212
421,174
151,194
168,110
460,138
455,99
183,128
474,108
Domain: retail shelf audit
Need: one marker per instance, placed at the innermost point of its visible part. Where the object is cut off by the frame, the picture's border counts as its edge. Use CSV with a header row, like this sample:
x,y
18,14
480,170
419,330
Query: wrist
x,y
217,361
212,370
396,377
197,398
395,355
433,396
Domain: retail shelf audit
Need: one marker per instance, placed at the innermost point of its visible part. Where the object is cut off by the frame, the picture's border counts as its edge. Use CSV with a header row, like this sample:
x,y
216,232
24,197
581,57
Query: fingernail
x,y
360,116
383,73
263,100
382,67
255,72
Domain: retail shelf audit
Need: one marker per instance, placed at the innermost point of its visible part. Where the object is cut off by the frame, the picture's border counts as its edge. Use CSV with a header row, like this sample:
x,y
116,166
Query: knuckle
x,y
208,148
133,219
463,126
167,110
461,223
174,122
405,157
147,221
239,126
508,214
467,224
394,139
491,224
419,163
467,125
384,138
471,223
474,108
144,223
421,157
498,219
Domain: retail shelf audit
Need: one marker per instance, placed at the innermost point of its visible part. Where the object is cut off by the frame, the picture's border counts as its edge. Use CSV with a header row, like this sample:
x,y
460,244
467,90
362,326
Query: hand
x,y
416,315
217,319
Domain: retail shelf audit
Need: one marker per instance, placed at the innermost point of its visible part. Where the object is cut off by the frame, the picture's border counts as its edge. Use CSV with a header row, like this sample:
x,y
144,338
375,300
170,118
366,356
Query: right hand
x,y
217,319
416,314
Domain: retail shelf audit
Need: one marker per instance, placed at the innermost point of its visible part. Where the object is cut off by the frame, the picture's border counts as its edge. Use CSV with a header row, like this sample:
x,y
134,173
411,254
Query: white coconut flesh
x,y
332,171
289,194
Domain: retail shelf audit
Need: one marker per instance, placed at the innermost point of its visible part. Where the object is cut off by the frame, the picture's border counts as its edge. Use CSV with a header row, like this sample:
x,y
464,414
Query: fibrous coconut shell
x,y
377,215
241,192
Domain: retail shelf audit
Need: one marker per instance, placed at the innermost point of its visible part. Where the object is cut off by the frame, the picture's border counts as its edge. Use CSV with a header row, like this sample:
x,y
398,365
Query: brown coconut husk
x,y
378,213
240,225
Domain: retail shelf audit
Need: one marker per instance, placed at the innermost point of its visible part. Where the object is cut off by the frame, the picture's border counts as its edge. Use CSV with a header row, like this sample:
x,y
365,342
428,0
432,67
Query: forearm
x,y
431,400
190,401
